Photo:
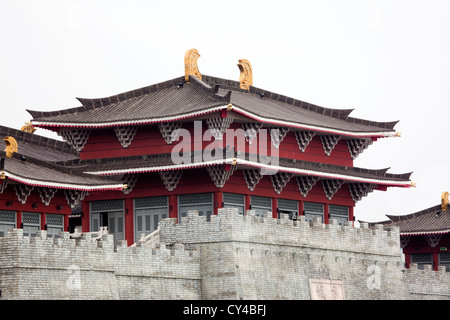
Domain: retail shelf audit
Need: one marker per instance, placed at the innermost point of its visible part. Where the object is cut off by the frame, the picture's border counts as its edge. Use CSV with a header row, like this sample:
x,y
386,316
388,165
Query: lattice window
x,y
444,260
170,178
7,221
106,205
234,200
125,134
201,202
55,224
313,210
251,130
360,190
22,192
73,197
331,186
305,184
76,138
252,177
261,205
329,142
218,126
356,146
169,131
280,179
30,223
151,202
340,213
304,138
219,174
422,259
277,135
46,194
289,207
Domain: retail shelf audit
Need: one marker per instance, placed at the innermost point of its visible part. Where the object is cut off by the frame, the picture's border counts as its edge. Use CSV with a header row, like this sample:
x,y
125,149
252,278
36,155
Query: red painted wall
x,y
418,244
148,140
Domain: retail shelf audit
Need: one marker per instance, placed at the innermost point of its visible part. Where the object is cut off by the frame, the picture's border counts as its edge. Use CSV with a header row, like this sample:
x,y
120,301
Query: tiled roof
x,y
433,220
39,147
150,163
175,99
40,173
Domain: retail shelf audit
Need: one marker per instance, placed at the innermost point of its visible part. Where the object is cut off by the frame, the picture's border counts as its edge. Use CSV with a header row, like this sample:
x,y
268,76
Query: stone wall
x,y
229,257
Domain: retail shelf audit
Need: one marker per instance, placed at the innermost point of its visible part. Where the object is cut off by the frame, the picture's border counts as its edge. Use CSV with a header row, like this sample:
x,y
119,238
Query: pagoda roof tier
x,y
181,100
164,162
18,168
39,147
434,220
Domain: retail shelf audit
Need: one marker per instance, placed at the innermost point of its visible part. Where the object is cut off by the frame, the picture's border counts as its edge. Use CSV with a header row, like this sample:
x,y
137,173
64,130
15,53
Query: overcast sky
x,y
389,60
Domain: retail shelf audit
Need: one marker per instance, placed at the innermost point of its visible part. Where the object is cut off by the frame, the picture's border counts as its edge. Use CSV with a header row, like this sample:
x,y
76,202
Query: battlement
x,y
228,225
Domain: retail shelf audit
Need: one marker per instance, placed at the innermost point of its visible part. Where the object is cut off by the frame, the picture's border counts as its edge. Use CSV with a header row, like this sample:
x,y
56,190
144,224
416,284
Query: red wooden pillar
x,y
66,222
435,261
301,208
43,219
247,203
129,221
173,206
350,215
85,221
218,201
19,219
326,213
275,208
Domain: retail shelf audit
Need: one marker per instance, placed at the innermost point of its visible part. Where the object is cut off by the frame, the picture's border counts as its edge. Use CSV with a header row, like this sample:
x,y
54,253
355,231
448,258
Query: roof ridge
x,y
397,218
94,103
38,140
342,114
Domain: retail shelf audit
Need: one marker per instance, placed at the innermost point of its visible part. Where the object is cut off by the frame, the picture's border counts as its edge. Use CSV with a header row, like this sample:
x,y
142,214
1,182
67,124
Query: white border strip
x,y
254,164
421,233
234,108
40,183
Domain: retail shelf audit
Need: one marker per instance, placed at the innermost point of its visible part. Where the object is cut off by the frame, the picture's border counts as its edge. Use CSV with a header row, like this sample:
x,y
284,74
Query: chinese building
x,y
36,193
425,235
200,142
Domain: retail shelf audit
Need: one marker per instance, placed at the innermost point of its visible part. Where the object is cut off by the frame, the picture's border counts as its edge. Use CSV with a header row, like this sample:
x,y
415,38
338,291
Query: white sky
x,y
389,60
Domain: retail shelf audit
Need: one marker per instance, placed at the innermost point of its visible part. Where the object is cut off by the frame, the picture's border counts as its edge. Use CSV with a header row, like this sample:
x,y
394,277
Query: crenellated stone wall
x,y
230,257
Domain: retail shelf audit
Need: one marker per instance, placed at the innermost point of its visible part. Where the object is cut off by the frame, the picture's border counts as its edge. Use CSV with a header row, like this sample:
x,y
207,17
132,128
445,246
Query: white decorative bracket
x,y
331,187
277,135
169,131
171,178
280,180
304,138
219,126
130,180
76,138
252,177
356,146
220,173
73,197
46,194
125,134
3,185
306,183
329,142
360,190
433,239
251,129
22,192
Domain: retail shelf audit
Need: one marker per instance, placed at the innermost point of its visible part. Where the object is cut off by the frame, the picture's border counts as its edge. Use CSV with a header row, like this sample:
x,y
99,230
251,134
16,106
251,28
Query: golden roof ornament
x,y
28,127
190,64
246,76
444,200
11,146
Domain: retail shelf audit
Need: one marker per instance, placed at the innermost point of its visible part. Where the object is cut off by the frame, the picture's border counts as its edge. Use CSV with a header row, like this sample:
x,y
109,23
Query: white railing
x,y
95,235
151,240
